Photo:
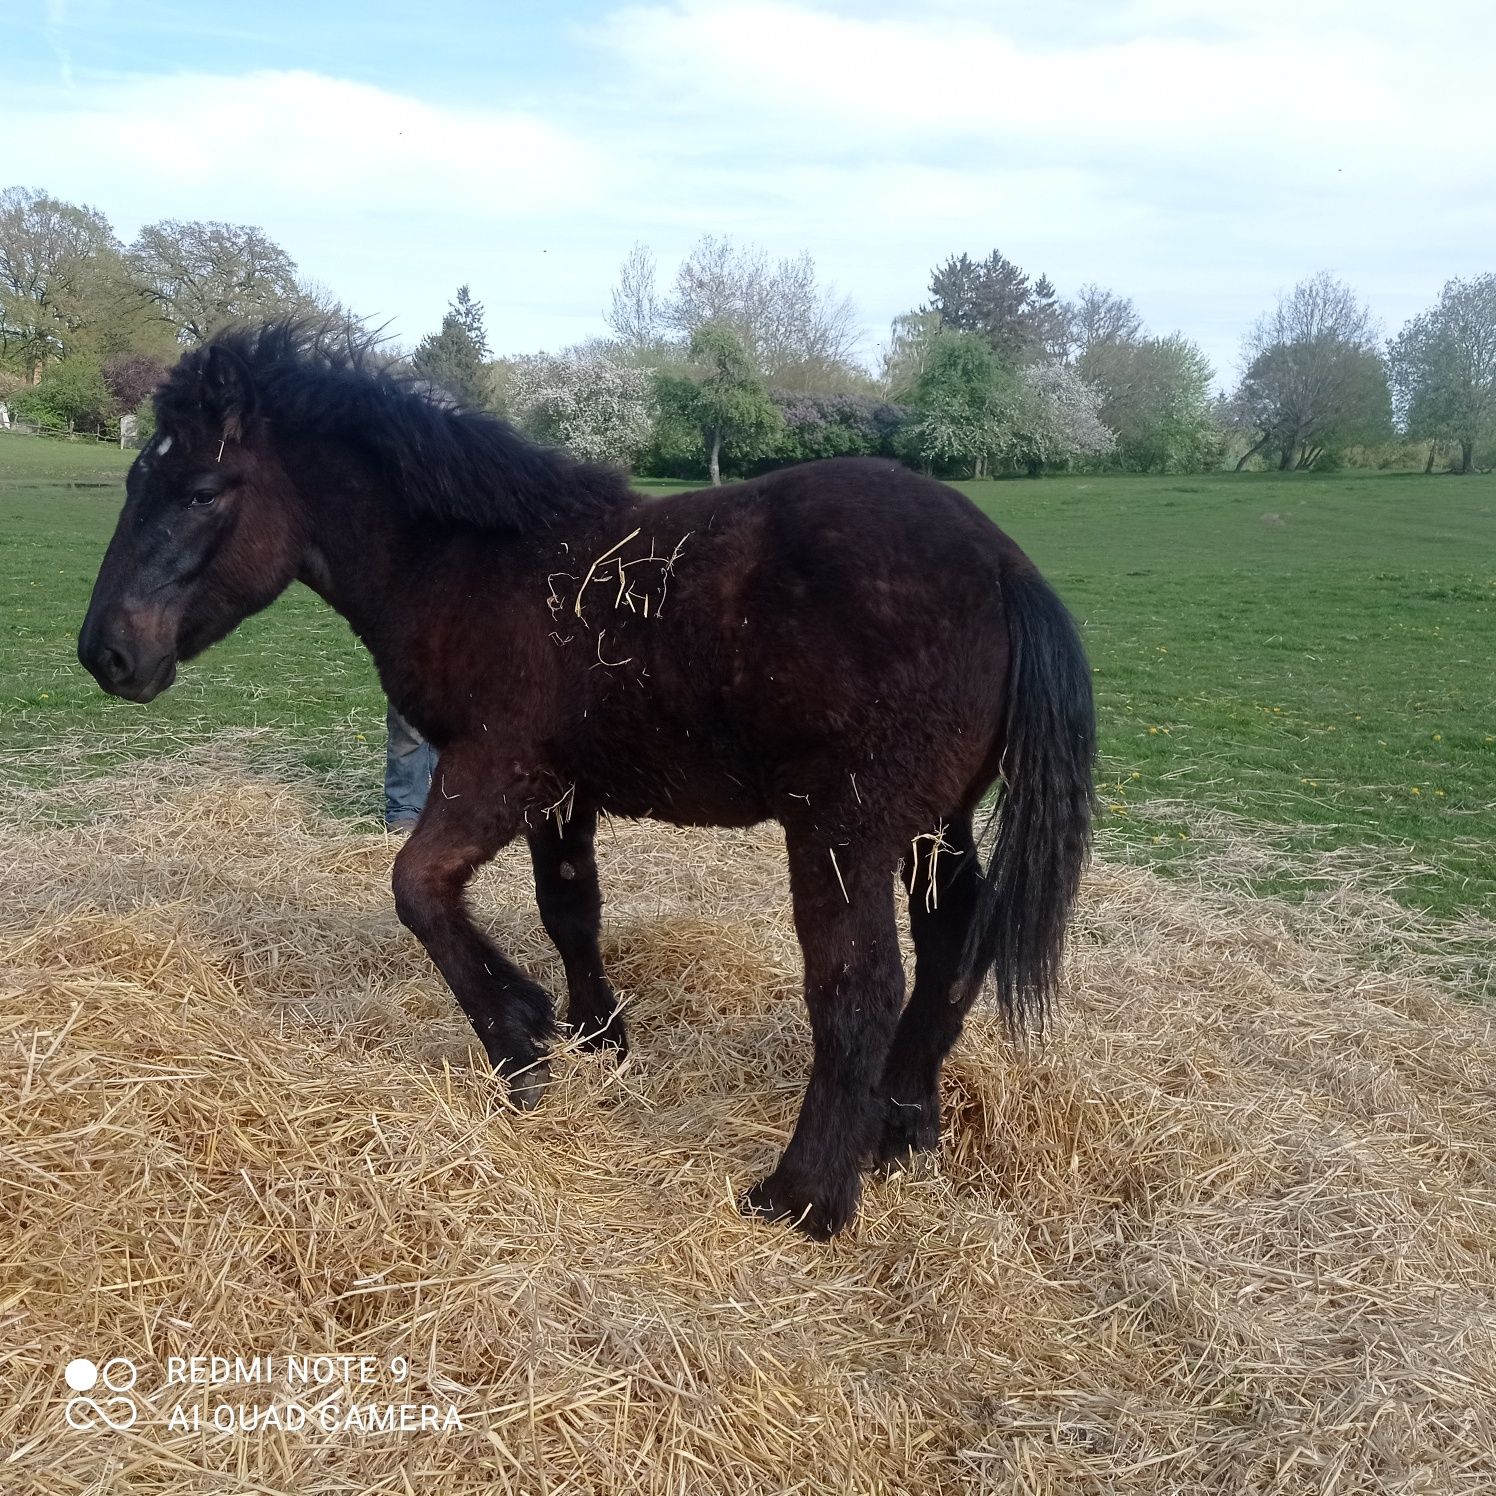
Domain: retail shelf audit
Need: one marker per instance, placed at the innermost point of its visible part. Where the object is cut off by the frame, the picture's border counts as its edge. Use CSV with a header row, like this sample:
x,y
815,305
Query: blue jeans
x,y
409,764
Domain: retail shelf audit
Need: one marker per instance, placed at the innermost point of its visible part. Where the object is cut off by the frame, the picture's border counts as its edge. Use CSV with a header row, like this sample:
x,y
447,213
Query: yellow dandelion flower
x,y
1439,793
1438,737
1414,790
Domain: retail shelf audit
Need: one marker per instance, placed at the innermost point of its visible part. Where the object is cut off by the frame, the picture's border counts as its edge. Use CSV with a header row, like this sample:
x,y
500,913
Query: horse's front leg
x,y
472,811
571,907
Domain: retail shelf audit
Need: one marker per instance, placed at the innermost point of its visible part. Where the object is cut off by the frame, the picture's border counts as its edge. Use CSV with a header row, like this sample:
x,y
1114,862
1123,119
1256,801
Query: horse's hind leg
x,y
854,983
570,900
945,879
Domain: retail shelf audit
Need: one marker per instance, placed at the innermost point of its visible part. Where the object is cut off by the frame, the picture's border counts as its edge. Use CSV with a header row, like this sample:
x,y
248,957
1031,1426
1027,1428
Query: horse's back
x,y
855,532
863,494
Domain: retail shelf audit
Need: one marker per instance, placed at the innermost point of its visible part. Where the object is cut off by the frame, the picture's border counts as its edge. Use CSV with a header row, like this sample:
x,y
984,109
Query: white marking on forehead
x,y
163,446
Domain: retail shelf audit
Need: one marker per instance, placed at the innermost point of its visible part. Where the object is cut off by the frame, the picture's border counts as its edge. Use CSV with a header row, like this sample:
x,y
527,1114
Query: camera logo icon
x,y
113,1408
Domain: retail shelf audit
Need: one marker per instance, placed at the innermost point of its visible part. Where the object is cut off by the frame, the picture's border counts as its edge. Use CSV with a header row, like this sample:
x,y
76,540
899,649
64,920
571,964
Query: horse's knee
x,y
420,893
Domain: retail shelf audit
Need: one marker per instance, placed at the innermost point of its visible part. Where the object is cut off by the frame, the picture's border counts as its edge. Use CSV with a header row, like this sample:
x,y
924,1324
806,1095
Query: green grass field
x,y
1318,653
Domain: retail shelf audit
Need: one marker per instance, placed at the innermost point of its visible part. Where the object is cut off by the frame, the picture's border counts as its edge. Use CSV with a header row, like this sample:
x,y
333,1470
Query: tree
x,y
1444,367
963,402
970,411
71,394
453,358
1060,420
470,314
317,305
131,378
1099,318
994,299
1155,394
1303,399
721,401
53,256
635,315
592,400
204,275
794,331
911,337
1314,377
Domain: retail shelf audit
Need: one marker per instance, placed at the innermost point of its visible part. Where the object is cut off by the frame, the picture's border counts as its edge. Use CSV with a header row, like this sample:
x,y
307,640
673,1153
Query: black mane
x,y
448,462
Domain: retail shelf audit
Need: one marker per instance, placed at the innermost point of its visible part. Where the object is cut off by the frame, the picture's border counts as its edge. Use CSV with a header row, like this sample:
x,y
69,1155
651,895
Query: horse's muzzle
x,y
121,668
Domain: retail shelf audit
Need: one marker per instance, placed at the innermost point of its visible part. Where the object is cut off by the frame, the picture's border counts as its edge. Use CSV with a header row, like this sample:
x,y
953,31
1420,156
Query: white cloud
x,y
287,138
1262,98
1198,155
390,200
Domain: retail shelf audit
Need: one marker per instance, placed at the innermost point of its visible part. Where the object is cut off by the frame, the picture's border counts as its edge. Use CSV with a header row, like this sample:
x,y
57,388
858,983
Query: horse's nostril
x,y
113,663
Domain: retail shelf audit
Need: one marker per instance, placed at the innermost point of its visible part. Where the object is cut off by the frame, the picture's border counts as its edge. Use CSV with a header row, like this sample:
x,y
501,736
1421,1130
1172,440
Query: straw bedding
x,y
1231,1228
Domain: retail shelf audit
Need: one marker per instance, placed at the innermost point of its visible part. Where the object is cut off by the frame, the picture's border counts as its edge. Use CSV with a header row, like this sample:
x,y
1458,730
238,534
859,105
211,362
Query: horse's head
x,y
209,533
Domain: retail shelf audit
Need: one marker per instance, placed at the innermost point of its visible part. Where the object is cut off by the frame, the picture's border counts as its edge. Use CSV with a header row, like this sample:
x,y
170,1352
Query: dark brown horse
x,y
844,647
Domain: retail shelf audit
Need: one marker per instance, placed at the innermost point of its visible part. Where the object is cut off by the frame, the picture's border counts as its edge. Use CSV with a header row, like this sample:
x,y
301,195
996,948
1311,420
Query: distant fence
x,y
123,437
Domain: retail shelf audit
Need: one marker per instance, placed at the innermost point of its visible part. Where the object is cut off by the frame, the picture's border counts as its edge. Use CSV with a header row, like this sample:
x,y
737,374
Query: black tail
x,y
1040,827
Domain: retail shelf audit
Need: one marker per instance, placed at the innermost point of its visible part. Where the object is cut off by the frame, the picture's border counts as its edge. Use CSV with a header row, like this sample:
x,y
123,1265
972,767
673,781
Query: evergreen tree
x,y
1020,321
470,314
453,358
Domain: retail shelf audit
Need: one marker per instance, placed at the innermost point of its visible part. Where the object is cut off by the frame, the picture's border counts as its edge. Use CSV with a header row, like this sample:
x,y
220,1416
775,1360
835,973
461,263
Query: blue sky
x,y
1199,155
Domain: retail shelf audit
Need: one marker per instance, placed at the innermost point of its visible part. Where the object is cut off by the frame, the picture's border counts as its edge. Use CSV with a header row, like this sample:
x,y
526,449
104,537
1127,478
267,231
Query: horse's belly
x,y
691,786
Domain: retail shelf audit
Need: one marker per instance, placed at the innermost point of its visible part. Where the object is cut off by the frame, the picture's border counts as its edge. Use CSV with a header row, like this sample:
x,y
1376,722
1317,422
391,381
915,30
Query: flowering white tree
x,y
586,399
967,408
1062,419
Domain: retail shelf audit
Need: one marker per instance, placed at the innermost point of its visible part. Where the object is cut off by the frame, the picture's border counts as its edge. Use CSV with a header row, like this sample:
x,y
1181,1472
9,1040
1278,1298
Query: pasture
x,y
1311,652
1233,1227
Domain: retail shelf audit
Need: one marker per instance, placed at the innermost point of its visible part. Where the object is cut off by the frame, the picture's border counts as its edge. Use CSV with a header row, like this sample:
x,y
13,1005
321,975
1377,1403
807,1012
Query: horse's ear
x,y
228,392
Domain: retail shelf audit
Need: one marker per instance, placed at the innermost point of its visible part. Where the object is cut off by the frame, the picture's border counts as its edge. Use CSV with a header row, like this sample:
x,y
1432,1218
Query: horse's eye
x,y
201,498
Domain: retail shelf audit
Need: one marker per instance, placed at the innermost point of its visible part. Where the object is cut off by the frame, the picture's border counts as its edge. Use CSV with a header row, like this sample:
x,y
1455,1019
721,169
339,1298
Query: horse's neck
x,y
399,583
360,553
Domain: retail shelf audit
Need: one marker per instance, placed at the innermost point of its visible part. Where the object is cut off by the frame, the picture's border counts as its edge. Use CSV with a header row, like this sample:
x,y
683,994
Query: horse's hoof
x,y
817,1216
527,1086
609,1035
910,1128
